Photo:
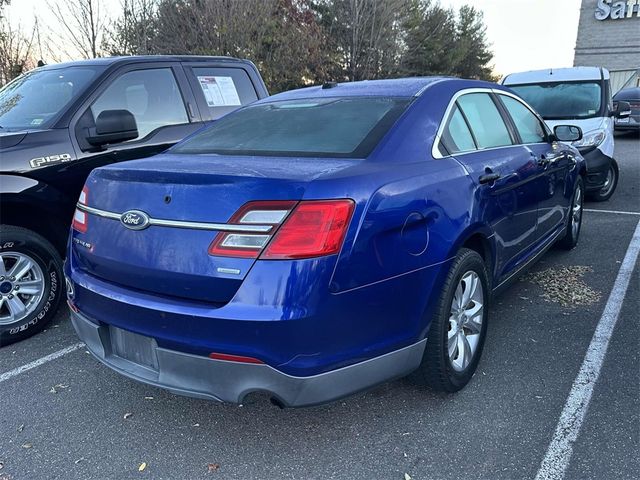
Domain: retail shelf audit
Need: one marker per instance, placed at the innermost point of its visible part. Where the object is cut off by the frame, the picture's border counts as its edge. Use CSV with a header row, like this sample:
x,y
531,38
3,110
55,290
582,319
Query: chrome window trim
x,y
220,227
435,153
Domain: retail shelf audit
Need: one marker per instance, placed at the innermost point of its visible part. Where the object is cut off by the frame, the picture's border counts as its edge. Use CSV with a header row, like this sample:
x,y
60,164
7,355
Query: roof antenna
x,y
328,85
551,71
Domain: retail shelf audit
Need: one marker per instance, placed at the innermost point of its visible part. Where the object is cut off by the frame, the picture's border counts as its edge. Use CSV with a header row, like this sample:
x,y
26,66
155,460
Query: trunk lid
x,y
196,188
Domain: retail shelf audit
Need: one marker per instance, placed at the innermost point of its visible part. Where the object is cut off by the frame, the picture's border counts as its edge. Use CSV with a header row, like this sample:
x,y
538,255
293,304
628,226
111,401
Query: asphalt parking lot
x,y
70,417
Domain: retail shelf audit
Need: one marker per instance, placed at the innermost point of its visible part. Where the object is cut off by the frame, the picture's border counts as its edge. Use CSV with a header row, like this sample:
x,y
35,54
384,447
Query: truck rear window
x,y
335,127
224,89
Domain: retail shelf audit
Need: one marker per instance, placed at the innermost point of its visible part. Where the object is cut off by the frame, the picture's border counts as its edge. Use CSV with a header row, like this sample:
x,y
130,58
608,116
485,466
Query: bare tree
x,y
16,50
133,32
84,23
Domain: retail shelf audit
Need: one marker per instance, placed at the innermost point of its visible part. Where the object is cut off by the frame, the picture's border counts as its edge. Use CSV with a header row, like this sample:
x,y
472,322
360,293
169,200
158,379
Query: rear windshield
x,y
566,100
337,127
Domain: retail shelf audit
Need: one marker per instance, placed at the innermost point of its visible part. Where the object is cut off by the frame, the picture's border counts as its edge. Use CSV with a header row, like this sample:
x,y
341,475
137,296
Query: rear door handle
x,y
488,178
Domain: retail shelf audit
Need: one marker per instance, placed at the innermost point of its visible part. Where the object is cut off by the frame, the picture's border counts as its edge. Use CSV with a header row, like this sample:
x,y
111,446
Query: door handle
x,y
488,178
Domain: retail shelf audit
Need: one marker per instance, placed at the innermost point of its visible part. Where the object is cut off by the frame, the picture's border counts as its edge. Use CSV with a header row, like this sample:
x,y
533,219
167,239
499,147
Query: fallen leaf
x,y
142,466
79,460
407,476
1,464
148,398
20,428
26,445
127,415
195,425
212,467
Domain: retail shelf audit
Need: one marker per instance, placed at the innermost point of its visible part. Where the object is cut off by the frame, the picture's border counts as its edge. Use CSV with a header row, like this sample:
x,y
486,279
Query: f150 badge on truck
x,y
40,161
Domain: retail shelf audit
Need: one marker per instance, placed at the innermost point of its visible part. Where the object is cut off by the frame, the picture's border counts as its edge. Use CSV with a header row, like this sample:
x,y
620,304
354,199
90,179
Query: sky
x,y
524,34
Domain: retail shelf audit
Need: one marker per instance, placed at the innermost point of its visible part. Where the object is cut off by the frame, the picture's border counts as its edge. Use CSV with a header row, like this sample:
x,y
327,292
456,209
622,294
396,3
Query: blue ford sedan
x,y
321,241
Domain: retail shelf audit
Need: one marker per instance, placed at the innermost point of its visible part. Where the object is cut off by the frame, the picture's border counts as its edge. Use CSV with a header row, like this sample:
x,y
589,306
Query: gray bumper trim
x,y
224,381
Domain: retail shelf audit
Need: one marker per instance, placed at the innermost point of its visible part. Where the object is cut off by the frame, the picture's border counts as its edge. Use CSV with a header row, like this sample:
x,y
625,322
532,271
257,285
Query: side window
x,y
224,89
152,96
485,120
527,124
456,136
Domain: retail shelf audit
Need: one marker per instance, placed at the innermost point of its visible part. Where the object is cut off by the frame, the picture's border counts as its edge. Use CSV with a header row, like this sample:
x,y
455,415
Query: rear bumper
x,y
226,381
597,164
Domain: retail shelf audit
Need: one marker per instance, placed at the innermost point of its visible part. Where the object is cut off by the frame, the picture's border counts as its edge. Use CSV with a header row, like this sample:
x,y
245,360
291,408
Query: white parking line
x,y
618,212
560,449
41,361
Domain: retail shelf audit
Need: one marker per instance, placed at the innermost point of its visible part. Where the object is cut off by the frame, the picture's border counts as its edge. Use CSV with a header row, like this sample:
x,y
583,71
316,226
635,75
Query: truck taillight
x,y
309,229
80,217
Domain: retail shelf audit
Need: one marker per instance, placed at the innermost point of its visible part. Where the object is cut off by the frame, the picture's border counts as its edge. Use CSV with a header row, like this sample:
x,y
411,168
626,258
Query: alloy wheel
x,y
576,212
465,321
22,285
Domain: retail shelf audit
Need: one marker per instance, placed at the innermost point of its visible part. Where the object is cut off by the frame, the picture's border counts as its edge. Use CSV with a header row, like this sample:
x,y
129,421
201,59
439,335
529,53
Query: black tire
x,y
437,370
607,191
17,240
572,233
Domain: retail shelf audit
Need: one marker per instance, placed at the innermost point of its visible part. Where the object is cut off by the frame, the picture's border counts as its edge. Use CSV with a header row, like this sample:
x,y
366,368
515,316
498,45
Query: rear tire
x,y
459,327
574,223
30,283
607,190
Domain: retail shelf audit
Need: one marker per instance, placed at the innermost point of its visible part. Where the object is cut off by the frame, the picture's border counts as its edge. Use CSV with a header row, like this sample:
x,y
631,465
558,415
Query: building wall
x,y
612,43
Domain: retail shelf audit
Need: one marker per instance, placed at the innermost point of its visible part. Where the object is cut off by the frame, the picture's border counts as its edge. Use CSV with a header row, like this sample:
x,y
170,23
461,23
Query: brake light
x,y
246,244
314,229
80,217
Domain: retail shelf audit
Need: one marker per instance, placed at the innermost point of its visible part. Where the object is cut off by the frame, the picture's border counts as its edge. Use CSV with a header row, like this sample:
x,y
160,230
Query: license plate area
x,y
135,348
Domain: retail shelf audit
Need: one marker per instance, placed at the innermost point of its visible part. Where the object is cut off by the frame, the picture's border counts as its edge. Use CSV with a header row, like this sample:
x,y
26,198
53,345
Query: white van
x,y
583,96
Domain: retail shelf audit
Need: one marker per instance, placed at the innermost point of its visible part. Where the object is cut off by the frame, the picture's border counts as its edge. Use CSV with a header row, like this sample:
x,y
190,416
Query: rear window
x,y
337,127
224,89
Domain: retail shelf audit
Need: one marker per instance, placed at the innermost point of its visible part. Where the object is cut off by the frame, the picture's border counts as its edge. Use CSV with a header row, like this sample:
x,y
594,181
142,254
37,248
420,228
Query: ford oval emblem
x,y
134,220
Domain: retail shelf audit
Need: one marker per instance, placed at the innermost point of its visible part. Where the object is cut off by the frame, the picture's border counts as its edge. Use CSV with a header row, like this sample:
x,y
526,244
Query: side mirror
x,y
567,133
621,109
113,126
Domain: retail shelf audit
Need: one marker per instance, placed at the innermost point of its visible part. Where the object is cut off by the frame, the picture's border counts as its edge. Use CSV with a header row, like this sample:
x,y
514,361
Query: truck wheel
x,y
609,186
30,283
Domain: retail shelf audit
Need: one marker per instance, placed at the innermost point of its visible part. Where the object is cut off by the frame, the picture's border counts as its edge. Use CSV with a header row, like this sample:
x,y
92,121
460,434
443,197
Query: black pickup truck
x,y
59,122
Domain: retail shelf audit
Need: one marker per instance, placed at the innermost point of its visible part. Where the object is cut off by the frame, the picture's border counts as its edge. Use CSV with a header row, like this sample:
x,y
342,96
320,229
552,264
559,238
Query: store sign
x,y
617,10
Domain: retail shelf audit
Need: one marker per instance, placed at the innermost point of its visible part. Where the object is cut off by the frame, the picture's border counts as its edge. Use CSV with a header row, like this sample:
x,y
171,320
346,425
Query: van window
x,y
151,95
224,89
527,124
485,120
562,101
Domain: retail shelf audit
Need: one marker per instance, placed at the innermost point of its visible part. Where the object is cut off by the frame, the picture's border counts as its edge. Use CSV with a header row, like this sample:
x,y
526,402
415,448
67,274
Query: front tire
x,y
610,184
30,283
574,224
458,330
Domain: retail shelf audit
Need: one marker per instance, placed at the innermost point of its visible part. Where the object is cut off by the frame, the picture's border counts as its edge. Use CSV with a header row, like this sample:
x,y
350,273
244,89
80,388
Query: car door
x,y
161,101
554,165
504,172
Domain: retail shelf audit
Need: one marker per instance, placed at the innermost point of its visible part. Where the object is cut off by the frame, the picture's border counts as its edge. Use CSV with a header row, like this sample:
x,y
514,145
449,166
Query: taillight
x,y
314,229
80,217
246,244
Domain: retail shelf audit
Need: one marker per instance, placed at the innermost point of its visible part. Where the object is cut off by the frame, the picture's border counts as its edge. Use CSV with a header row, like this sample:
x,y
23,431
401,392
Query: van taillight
x,y
80,217
312,228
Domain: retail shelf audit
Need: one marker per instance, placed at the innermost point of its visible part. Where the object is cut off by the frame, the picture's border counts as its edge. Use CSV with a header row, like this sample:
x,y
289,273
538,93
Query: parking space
x,y
73,418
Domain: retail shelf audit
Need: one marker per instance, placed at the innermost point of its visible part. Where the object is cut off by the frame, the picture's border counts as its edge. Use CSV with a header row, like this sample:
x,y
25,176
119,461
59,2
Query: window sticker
x,y
219,91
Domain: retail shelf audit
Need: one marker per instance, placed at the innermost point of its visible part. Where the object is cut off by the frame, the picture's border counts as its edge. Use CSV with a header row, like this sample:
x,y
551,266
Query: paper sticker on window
x,y
219,91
